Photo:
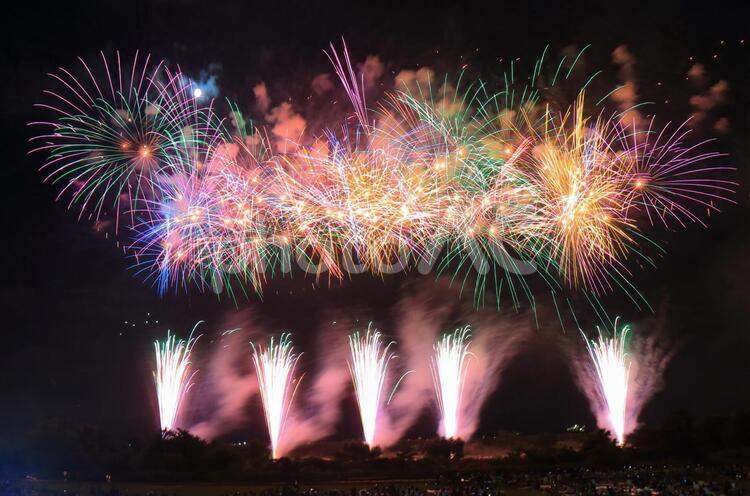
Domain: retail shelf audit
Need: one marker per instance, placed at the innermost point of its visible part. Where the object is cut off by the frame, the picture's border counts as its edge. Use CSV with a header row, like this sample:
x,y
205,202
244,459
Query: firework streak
x,y
501,183
172,376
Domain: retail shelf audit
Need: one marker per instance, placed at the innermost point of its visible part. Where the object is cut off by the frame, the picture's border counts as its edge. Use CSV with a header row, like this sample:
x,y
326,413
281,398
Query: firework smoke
x,y
228,383
449,367
172,376
497,339
316,412
418,321
274,367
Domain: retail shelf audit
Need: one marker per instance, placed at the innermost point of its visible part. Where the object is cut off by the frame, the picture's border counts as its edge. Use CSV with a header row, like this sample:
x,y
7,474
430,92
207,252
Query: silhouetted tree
x,y
446,449
357,452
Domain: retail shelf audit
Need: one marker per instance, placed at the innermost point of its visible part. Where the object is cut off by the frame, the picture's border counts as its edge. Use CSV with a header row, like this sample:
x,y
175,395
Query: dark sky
x,y
66,292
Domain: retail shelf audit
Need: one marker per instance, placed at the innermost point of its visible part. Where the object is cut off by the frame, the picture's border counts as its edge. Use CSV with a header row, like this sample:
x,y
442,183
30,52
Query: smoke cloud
x,y
410,81
372,70
288,127
419,321
626,96
497,339
321,84
314,415
707,103
262,100
697,74
229,380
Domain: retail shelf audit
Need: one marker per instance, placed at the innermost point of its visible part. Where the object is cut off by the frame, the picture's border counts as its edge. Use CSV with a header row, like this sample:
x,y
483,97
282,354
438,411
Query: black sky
x,y
66,292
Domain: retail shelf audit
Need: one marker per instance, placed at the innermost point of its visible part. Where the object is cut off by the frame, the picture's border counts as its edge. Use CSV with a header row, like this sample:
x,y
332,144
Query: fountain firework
x,y
449,366
274,366
172,376
611,362
369,367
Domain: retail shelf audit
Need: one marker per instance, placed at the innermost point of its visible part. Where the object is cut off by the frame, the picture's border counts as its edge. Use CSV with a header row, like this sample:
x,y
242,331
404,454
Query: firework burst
x,y
117,123
499,185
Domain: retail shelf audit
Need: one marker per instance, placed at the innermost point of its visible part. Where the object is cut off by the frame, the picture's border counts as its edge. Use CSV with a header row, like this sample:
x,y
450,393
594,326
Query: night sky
x,y
78,324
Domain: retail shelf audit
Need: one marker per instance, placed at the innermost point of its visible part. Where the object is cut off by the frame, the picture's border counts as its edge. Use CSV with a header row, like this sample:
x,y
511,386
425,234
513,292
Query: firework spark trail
x,y
449,366
370,358
172,376
612,367
274,367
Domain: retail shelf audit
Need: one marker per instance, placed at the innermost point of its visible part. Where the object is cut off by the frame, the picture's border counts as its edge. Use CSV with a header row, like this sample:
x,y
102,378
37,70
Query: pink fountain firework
x,y
449,366
370,358
611,362
274,367
622,372
172,376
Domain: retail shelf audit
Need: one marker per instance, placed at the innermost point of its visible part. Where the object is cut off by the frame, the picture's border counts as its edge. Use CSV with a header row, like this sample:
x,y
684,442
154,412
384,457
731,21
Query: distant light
x,y
197,92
